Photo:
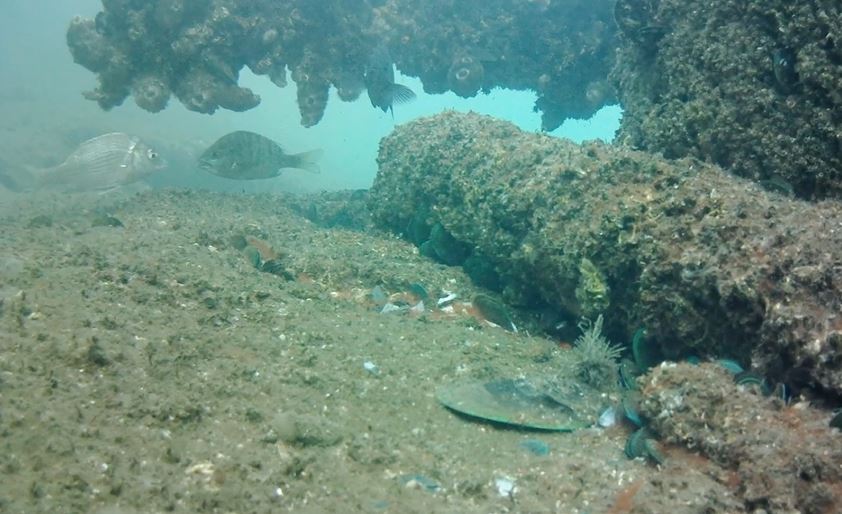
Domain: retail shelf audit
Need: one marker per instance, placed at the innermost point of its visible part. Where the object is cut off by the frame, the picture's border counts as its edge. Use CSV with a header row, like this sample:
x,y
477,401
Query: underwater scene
x,y
421,256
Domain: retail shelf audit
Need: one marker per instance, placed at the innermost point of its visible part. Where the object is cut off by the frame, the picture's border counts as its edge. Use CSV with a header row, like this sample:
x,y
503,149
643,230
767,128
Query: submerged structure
x,y
752,86
708,263
194,50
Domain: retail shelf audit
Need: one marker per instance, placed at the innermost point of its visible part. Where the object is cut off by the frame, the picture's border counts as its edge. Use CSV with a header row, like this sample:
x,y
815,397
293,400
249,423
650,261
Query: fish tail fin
x,y
19,179
401,94
309,161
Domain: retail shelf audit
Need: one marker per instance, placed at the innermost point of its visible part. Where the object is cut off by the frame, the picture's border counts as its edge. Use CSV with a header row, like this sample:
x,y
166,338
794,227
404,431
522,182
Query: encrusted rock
x,y
754,86
707,263
465,46
785,457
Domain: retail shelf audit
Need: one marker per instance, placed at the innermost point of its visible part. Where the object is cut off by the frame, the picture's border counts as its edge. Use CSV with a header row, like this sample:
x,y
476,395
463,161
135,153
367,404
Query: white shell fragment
x,y
505,486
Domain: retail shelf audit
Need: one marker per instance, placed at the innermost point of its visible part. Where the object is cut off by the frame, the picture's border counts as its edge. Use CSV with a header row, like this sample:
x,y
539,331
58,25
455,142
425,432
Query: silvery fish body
x,y
244,155
103,163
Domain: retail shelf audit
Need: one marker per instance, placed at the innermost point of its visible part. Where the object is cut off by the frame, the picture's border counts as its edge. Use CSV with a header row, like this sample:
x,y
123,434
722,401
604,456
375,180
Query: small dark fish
x,y
380,81
630,402
778,185
244,155
783,65
836,420
637,20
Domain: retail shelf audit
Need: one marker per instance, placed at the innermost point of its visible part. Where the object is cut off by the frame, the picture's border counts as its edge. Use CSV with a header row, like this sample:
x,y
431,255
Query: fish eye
x,y
152,154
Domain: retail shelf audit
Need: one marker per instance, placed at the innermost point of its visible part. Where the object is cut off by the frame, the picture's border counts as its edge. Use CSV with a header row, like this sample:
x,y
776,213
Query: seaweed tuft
x,y
596,360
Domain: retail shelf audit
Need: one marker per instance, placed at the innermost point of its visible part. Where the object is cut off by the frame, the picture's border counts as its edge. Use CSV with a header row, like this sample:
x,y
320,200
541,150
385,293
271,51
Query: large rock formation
x,y
709,264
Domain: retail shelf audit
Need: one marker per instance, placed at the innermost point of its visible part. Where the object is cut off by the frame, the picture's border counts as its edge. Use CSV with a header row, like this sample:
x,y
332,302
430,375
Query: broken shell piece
x,y
447,299
391,307
505,486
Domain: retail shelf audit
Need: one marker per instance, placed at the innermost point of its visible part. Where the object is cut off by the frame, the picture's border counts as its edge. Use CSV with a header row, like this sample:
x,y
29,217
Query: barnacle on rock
x,y
350,84
169,38
599,93
87,46
150,93
312,101
465,75
204,92
196,92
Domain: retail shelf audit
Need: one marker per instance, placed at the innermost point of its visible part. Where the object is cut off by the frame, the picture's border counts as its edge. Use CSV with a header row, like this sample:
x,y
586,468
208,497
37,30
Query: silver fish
x,y
103,163
244,155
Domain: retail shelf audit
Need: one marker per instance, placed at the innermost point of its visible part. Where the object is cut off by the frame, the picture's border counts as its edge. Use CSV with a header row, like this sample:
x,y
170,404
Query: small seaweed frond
x,y
596,359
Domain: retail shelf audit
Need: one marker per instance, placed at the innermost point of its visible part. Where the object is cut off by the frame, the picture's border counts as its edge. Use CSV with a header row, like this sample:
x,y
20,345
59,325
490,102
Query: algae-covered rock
x,y
710,264
754,86
784,457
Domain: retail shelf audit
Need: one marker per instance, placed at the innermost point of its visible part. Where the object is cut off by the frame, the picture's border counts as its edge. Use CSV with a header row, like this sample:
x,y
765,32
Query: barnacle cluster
x,y
753,86
150,93
465,75
195,50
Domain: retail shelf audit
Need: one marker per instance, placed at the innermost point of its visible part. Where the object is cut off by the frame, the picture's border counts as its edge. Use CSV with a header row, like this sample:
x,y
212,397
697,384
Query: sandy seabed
x,y
150,367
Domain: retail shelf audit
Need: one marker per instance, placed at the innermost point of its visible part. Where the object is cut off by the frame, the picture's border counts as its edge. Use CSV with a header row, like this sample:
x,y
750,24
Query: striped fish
x,y
103,163
244,155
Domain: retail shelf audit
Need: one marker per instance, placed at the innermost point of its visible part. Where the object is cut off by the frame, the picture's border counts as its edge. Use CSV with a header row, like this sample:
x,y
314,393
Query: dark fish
x,y
836,420
380,81
103,163
637,20
783,65
778,185
244,155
